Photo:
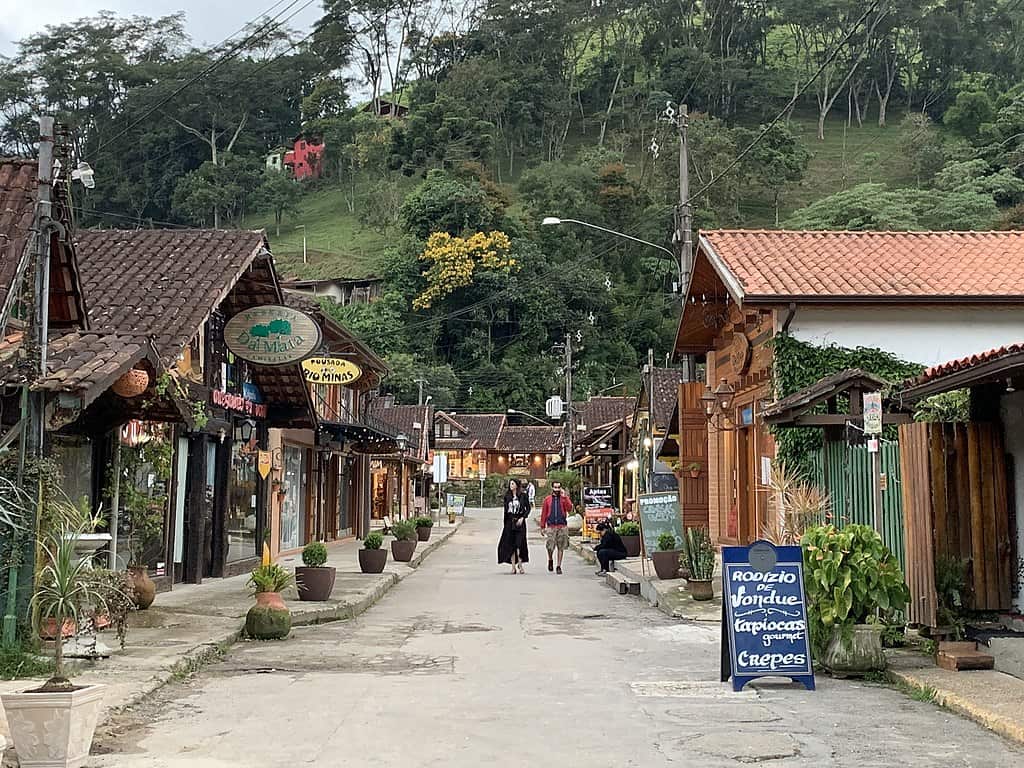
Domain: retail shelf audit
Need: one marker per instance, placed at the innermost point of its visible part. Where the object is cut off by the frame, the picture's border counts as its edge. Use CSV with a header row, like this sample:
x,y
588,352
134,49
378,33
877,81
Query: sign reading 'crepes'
x,y
272,335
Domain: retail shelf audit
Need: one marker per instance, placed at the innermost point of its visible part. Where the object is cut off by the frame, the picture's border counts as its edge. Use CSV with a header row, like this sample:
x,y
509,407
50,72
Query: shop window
x,y
147,462
74,460
241,522
293,507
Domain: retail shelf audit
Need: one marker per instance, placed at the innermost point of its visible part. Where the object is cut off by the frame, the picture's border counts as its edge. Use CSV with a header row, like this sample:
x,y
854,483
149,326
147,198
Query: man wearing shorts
x,y
553,520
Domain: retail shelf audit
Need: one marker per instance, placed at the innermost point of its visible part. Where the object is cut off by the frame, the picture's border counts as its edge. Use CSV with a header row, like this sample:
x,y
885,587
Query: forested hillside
x,y
898,114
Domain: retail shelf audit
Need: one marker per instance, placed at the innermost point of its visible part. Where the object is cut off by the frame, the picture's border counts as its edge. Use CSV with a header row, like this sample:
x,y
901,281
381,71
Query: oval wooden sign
x,y
272,334
330,370
739,352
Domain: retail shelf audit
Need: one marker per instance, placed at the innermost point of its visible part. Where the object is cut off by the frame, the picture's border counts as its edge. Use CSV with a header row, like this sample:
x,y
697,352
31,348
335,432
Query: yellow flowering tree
x,y
453,260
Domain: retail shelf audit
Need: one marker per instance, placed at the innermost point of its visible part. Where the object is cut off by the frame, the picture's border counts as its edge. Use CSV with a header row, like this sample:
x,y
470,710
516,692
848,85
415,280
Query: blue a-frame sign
x,y
764,615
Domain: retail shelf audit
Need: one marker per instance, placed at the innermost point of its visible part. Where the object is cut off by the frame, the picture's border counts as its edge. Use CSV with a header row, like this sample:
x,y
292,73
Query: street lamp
x,y
402,440
554,221
529,416
718,405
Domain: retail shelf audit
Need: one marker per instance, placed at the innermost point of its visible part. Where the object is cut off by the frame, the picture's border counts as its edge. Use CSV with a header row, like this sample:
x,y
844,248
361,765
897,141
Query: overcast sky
x,y
208,21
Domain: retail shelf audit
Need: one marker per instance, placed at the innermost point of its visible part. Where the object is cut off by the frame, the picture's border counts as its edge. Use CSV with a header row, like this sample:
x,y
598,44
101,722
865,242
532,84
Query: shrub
x,y
404,530
666,542
698,554
373,541
849,575
423,522
628,529
314,555
269,578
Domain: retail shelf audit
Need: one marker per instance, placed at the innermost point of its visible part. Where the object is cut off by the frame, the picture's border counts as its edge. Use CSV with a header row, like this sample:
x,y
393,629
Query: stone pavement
x,y
468,665
195,623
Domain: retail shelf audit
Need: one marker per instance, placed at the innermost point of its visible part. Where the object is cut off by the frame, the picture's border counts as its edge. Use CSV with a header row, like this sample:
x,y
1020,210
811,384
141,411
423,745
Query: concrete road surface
x,y
466,665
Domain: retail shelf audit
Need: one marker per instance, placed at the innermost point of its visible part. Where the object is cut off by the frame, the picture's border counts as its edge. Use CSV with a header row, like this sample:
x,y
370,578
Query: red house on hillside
x,y
305,156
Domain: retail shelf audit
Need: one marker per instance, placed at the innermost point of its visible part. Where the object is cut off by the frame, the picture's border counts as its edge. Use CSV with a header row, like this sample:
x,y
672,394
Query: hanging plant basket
x,y
131,384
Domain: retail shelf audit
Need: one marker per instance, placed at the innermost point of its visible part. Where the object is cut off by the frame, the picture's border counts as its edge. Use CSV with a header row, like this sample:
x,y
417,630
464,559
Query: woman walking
x,y
512,544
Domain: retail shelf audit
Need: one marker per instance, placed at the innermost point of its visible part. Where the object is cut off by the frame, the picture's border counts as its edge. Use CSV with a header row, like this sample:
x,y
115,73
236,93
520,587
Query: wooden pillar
x,y
195,509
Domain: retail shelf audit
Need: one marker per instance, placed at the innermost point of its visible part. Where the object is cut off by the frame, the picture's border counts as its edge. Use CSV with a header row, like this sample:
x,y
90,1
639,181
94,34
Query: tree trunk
x,y
608,111
777,208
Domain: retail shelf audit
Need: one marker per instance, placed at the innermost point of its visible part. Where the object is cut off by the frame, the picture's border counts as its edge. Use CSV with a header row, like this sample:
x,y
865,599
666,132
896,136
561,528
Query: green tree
x,y
443,203
969,113
442,386
777,161
213,192
279,193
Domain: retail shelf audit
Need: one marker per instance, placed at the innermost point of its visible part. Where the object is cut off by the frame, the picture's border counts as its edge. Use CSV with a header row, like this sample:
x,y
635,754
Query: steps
x,y
622,584
963,656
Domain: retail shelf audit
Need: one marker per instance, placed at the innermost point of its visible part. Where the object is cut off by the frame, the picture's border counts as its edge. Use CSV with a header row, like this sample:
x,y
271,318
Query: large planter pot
x,y
403,551
860,652
666,564
423,532
701,589
88,544
632,544
372,560
142,586
53,730
315,584
48,629
269,619
574,524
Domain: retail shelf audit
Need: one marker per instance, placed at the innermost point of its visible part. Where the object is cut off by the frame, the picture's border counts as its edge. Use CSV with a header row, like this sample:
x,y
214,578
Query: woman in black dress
x,y
512,545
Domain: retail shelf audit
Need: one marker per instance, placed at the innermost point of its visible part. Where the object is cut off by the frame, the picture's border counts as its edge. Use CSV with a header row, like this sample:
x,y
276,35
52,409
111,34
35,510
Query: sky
x,y
207,21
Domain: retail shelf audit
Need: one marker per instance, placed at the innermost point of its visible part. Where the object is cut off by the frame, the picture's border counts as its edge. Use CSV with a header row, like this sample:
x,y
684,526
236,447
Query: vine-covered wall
x,y
798,364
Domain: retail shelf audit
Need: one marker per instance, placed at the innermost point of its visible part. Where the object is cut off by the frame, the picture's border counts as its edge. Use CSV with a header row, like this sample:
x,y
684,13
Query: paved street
x,y
465,665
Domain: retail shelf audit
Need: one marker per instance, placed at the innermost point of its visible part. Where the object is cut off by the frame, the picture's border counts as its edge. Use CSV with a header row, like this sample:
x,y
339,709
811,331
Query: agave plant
x,y
15,504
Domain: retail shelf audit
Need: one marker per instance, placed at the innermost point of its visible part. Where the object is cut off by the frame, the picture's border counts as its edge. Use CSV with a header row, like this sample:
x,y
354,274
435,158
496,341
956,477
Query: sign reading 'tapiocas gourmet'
x,y
330,370
272,335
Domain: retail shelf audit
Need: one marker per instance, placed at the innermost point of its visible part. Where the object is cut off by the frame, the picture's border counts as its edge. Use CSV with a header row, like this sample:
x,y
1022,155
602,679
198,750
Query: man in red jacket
x,y
553,520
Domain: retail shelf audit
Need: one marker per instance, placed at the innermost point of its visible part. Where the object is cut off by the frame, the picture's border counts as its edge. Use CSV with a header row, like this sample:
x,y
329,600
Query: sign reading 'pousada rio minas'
x,y
272,335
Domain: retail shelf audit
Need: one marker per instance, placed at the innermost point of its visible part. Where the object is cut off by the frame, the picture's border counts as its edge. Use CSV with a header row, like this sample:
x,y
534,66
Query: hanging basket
x,y
131,384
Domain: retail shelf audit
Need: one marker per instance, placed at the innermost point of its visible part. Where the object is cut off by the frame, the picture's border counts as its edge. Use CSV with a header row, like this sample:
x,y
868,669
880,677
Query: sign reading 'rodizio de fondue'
x,y
272,335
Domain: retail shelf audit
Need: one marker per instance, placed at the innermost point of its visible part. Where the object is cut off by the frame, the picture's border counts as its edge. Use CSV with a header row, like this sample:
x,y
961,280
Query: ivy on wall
x,y
798,365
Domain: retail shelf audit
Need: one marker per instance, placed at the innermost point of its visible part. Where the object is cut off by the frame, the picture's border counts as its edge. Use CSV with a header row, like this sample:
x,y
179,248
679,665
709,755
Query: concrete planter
x,y
372,560
574,524
423,532
701,589
53,730
315,584
402,551
860,653
269,619
666,564
632,544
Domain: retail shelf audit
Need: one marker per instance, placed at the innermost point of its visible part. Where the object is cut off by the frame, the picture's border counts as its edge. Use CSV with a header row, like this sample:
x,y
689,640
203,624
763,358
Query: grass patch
x,y
19,663
187,667
923,693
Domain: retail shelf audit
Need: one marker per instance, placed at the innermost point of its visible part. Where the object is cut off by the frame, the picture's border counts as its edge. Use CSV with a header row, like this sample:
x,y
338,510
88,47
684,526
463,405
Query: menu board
x,y
456,503
659,513
764,615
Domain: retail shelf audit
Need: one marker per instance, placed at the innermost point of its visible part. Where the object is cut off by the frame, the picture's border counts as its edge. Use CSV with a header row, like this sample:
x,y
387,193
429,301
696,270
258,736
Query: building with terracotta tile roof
x,y
924,297
486,443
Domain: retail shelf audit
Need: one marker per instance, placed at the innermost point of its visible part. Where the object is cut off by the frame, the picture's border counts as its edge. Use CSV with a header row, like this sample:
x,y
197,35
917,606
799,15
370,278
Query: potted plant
x,y
699,556
371,557
630,534
423,526
270,618
851,577
404,545
666,558
693,469
53,725
313,579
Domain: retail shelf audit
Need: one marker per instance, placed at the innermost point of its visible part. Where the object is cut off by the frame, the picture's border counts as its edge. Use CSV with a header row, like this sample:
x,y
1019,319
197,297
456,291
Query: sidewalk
x,y
669,597
194,624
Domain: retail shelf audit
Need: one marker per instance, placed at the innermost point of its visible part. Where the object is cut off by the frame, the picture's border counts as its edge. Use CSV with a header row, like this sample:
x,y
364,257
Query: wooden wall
x,y
693,447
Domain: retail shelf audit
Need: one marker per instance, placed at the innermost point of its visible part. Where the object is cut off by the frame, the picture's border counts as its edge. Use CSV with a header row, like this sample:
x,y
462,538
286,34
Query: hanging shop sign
x,y
330,370
764,615
263,463
739,353
238,403
272,335
872,413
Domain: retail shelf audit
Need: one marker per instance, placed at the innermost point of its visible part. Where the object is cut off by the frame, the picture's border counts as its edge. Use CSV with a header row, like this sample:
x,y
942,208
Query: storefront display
x,y
242,518
293,513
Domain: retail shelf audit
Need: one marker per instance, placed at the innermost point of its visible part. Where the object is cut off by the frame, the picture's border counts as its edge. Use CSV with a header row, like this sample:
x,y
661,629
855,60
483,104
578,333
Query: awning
x,y
361,436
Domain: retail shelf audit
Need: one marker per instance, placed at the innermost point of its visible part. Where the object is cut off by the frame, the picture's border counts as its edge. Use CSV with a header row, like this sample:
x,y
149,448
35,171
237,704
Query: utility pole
x,y
650,420
420,383
684,225
569,426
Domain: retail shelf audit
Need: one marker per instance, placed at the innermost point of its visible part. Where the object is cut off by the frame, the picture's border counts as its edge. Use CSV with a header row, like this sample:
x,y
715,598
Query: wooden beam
x,y
834,419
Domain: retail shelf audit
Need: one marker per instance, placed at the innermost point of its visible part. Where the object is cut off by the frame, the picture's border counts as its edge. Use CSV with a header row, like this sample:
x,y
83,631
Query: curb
x,y
1004,726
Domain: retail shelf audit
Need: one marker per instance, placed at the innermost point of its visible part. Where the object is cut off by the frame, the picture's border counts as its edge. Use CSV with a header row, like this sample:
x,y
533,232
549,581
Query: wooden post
x,y
977,515
195,505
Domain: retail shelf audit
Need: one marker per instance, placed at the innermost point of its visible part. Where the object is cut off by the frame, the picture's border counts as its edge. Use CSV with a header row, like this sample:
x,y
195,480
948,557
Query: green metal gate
x,y
844,473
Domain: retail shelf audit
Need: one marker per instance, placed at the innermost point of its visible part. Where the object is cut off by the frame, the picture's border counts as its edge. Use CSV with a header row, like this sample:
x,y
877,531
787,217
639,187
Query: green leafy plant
x,y
629,528
403,530
314,555
373,541
144,505
693,466
951,591
698,556
666,542
423,522
269,578
18,663
117,592
849,575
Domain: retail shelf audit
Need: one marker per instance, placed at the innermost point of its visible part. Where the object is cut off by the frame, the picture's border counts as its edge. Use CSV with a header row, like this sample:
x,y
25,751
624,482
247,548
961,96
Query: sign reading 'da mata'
x,y
330,370
271,335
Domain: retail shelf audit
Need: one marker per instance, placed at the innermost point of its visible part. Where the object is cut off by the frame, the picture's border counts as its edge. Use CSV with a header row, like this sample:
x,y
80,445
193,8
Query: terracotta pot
x,y
423,532
666,564
372,560
143,587
131,384
632,544
701,589
54,729
402,551
695,474
315,584
48,629
269,619
859,653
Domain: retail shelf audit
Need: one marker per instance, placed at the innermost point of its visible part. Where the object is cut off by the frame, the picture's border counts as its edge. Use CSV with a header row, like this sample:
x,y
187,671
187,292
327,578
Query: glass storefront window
x,y
292,508
147,461
73,455
241,522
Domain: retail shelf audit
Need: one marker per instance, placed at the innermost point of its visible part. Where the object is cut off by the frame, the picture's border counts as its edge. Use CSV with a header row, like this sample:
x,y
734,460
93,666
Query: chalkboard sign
x,y
457,503
659,513
764,615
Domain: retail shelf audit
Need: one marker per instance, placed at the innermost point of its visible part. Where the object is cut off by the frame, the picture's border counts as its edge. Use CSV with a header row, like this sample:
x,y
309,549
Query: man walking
x,y
553,520
531,493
